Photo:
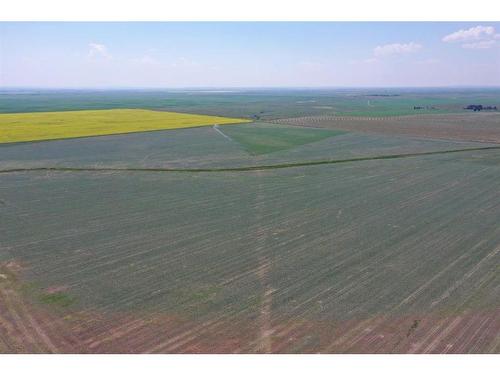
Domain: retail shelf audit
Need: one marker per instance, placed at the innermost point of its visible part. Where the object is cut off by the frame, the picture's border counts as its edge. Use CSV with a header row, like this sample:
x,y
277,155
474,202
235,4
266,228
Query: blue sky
x,y
249,54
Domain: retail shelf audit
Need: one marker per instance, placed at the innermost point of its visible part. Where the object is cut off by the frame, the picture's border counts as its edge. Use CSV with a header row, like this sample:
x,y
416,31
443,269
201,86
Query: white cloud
x,y
474,33
396,49
380,52
478,37
98,50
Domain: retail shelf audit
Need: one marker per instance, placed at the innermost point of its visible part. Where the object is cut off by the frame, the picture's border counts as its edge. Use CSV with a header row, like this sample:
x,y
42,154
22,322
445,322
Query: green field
x,y
332,240
205,147
264,138
255,104
25,127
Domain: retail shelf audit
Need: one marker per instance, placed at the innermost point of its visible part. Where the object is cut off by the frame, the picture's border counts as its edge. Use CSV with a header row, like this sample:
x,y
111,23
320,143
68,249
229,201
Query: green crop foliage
x,y
59,299
263,138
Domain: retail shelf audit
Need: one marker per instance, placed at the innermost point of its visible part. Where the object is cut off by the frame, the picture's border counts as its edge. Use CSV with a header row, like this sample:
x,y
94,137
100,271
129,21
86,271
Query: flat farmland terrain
x,y
319,221
263,139
389,256
255,104
26,127
235,146
480,127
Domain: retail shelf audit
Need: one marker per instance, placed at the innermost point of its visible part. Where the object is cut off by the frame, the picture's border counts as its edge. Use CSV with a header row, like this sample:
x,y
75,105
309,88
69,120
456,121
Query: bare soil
x,y
479,127
28,327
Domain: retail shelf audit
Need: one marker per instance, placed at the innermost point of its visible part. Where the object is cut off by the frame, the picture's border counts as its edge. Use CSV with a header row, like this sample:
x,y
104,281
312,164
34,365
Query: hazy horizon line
x,y
241,87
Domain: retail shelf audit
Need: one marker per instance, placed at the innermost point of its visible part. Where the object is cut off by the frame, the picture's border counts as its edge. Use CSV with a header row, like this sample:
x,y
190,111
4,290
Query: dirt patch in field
x,y
24,326
56,289
29,327
469,332
479,127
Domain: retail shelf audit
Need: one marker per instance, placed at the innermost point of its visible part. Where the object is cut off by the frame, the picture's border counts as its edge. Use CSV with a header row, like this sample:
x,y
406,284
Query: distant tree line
x,y
383,95
479,107
426,107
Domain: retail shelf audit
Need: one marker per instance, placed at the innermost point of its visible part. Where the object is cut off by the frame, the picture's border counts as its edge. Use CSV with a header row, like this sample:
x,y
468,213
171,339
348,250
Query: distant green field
x,y
24,127
265,138
254,104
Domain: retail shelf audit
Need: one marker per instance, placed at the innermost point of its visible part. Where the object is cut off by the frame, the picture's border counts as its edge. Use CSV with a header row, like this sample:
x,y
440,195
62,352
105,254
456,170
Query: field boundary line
x,y
248,168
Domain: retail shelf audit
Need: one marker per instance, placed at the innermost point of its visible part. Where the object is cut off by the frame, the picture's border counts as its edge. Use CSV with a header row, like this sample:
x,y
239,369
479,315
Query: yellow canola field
x,y
36,126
